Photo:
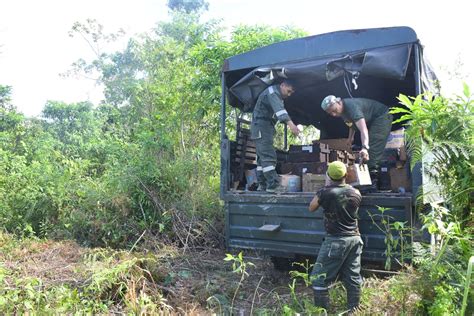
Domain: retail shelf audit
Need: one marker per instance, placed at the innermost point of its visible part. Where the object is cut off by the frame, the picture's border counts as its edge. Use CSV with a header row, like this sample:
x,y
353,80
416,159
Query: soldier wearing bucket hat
x,y
339,255
368,116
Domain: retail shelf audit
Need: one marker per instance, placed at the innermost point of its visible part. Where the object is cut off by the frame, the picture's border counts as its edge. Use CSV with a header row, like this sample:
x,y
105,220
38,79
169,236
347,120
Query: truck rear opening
x,y
377,64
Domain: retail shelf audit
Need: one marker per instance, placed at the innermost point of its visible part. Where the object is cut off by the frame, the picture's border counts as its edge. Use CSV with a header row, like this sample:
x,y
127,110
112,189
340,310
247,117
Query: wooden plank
x,y
249,149
248,155
247,161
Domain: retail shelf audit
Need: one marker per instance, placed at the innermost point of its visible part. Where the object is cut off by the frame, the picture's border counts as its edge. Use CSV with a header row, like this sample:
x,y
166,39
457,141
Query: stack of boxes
x,y
395,168
310,163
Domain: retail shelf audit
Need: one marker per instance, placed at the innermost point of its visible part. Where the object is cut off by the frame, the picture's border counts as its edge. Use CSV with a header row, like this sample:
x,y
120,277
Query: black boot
x,y
353,299
374,177
321,298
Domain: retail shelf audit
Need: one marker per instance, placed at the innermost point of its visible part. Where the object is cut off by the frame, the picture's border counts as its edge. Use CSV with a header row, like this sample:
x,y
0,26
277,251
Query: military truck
x,y
377,63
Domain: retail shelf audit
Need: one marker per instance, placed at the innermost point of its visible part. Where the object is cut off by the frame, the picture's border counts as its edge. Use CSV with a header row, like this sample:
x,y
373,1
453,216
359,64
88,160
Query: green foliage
x,y
239,266
440,131
111,280
188,6
107,175
6,98
396,236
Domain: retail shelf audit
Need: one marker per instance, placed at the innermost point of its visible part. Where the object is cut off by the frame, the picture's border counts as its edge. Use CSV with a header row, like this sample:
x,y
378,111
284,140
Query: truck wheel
x,y
282,264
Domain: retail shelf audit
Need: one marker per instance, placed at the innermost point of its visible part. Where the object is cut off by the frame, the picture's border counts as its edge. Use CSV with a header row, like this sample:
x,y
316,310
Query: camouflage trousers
x,y
266,161
338,259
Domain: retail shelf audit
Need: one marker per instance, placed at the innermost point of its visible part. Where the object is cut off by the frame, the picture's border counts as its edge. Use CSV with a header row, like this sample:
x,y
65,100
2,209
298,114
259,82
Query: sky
x,y
35,47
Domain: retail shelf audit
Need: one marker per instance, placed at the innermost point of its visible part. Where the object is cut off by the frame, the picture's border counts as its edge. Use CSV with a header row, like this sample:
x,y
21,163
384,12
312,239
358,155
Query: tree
x,y
5,98
188,6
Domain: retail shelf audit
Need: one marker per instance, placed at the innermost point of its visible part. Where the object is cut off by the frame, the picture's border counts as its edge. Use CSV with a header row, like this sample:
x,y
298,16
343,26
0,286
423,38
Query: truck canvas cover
x,y
346,63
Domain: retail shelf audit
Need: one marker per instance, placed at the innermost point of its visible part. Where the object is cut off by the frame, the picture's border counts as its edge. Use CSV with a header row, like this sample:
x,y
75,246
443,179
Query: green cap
x,y
337,170
327,101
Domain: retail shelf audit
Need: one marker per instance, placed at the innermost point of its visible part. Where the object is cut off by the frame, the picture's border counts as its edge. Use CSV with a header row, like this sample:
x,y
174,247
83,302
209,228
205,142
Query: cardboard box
x,y
313,182
351,176
358,175
389,156
396,139
291,182
402,155
250,177
337,143
400,178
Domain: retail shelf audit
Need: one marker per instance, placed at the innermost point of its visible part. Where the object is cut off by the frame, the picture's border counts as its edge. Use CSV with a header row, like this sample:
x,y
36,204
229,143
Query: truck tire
x,y
282,264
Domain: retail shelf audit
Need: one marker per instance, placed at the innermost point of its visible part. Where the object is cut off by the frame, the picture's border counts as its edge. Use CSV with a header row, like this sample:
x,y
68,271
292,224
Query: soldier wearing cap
x,y
368,116
340,252
270,109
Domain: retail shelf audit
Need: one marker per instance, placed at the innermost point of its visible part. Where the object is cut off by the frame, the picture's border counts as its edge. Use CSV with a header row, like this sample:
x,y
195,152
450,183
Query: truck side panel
x,y
283,226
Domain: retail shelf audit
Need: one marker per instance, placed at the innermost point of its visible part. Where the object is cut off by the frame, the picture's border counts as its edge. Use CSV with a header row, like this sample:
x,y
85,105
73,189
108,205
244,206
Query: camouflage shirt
x,y
268,110
341,205
360,108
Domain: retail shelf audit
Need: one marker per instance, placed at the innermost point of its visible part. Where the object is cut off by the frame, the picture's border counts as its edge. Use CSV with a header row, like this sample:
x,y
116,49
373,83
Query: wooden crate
x,y
337,155
336,143
301,168
313,182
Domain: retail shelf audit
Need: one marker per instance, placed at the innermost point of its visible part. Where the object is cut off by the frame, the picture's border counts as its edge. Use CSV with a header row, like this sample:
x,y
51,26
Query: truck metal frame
x,y
385,62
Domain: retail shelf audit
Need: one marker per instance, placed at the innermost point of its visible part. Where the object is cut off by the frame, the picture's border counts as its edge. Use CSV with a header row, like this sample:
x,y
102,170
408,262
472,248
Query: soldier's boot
x,y
273,182
262,186
353,300
321,298
374,177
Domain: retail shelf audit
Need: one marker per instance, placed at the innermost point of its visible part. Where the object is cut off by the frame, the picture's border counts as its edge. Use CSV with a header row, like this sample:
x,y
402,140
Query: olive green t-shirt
x,y
341,204
360,108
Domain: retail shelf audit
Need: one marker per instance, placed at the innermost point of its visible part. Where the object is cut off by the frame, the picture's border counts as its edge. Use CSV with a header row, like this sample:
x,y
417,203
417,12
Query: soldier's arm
x,y
350,139
313,206
364,138
280,112
277,105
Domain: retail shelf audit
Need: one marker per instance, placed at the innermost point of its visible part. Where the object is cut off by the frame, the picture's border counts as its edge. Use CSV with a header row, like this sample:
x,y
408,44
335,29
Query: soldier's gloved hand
x,y
364,155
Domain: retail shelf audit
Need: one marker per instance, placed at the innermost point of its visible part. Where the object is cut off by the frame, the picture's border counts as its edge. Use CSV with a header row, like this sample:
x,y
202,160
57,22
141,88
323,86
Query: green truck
x,y
377,63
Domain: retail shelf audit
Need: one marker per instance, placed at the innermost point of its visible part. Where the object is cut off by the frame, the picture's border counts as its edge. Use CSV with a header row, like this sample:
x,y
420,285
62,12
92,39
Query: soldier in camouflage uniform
x,y
371,118
340,252
269,109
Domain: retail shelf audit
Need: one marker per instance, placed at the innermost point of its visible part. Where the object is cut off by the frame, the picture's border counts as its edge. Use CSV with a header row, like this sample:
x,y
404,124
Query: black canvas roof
x,y
376,63
317,46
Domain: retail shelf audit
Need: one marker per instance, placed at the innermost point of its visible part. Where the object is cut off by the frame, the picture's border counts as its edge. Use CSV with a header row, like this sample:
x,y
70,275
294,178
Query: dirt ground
x,y
194,281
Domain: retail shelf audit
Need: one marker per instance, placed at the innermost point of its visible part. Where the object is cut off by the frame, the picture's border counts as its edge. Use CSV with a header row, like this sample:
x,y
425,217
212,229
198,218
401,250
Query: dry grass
x,y
187,280
193,282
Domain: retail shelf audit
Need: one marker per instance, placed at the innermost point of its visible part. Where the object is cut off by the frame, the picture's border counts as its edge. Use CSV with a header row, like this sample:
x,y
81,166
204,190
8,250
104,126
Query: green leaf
x,y
466,90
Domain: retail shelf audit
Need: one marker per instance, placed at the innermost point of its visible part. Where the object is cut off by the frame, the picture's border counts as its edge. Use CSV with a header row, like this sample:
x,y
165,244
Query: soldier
x,y
373,121
339,255
269,109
